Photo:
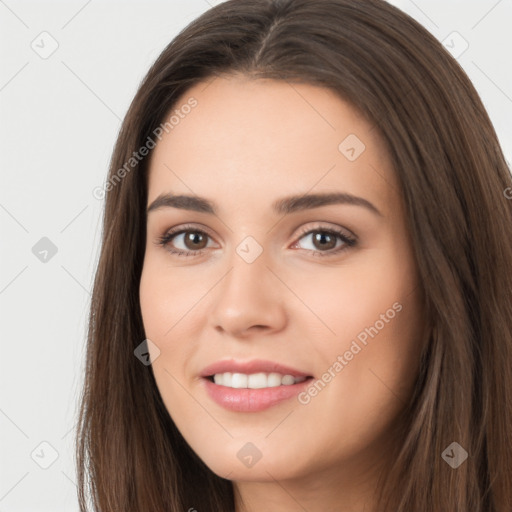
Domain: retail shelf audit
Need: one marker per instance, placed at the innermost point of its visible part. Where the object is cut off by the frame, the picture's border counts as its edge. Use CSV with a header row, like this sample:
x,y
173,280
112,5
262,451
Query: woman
x,y
303,299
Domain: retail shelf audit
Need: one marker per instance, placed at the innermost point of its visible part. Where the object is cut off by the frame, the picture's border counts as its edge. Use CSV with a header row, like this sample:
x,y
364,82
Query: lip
x,y
248,367
246,399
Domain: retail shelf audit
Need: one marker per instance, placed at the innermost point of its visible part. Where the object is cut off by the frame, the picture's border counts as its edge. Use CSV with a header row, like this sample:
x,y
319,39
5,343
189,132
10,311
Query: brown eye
x,y
324,240
185,241
195,240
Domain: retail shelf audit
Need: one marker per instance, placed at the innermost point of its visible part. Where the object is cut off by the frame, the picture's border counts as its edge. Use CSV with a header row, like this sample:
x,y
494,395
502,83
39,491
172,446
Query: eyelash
x,y
167,237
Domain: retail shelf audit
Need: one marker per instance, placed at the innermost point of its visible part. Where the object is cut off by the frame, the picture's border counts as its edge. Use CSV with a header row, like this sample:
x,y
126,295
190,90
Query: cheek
x,y
167,300
384,317
151,294
353,297
376,312
372,383
166,296
161,313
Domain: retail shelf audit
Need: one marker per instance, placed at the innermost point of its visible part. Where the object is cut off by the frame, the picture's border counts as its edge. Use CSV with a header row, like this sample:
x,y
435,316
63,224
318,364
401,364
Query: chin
x,y
242,461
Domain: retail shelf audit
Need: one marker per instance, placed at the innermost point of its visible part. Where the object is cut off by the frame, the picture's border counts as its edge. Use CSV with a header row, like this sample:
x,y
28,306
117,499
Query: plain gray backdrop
x,y
69,71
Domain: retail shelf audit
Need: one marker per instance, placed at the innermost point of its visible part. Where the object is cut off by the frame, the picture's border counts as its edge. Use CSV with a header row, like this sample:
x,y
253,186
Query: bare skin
x,y
246,144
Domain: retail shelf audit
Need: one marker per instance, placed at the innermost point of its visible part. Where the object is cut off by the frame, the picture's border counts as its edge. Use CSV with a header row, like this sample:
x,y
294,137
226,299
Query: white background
x,y
59,119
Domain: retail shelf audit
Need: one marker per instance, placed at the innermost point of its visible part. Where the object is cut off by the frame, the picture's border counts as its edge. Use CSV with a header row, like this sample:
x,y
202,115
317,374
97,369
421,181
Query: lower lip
x,y
252,400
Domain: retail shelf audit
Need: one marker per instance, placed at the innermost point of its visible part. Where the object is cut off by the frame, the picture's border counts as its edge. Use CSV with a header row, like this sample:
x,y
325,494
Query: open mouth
x,y
253,385
259,380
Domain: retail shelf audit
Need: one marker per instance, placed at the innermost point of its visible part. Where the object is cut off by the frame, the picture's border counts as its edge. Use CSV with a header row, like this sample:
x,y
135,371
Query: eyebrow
x,y
282,206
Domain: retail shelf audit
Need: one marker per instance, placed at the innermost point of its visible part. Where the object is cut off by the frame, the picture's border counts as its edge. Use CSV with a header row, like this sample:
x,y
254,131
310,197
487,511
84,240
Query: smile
x,y
252,386
255,380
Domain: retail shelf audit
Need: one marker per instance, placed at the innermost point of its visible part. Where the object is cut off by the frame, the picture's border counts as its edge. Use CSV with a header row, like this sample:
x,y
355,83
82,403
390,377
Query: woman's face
x,y
299,264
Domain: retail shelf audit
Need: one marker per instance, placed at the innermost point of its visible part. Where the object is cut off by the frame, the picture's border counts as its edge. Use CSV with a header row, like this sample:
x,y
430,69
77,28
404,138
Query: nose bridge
x,y
246,296
248,275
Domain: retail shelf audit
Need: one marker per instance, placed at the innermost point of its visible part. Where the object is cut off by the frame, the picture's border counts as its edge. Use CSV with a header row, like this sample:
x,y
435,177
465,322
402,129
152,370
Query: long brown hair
x,y
453,178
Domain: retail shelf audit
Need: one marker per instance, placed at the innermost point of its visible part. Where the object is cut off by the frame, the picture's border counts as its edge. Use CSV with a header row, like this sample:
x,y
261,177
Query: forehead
x,y
254,139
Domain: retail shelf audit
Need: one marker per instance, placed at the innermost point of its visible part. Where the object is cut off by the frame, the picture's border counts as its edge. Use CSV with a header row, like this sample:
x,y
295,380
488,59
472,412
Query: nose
x,y
249,299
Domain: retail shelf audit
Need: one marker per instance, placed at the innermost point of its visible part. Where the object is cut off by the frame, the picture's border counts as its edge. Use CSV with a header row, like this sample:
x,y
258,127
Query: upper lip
x,y
250,367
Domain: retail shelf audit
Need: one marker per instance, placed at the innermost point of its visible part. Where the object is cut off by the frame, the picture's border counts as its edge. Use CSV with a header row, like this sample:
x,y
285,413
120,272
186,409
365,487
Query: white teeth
x,y
239,380
274,380
255,380
288,380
